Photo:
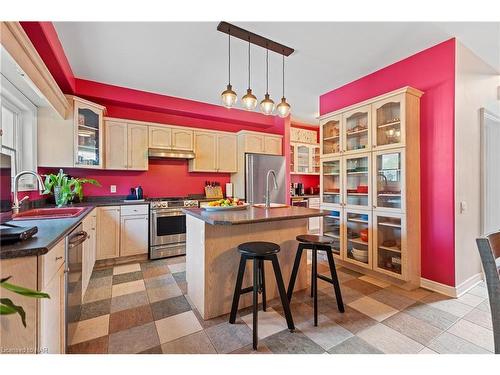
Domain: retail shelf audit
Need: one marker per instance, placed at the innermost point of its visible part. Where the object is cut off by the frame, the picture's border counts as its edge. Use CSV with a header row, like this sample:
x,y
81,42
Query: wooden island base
x,y
212,261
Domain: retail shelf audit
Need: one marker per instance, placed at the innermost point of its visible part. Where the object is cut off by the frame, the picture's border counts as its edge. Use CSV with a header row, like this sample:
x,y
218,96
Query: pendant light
x,y
283,107
267,105
249,100
228,96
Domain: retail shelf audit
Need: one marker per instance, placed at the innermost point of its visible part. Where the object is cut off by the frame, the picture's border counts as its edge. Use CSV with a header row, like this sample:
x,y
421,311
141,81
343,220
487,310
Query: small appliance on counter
x,y
213,190
296,189
136,194
229,190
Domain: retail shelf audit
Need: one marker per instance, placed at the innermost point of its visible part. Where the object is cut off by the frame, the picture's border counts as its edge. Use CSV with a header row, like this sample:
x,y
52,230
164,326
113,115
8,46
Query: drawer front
x,y
314,202
51,262
139,209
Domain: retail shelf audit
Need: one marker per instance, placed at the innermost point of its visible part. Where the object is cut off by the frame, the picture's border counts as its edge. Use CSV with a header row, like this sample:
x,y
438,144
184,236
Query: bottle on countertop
x,y
140,193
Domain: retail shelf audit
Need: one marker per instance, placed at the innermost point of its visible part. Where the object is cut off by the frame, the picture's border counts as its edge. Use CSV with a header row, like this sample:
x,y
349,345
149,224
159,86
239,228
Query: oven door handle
x,y
168,213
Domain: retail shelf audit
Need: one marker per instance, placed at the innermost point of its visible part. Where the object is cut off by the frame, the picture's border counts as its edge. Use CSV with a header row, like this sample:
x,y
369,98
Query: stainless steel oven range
x,y
167,234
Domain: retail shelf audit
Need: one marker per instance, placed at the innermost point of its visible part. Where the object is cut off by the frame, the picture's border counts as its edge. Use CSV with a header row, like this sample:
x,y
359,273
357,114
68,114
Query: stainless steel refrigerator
x,y
256,168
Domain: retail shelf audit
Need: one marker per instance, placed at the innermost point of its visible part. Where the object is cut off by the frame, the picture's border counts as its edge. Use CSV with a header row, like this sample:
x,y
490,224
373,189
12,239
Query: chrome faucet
x,y
268,193
17,203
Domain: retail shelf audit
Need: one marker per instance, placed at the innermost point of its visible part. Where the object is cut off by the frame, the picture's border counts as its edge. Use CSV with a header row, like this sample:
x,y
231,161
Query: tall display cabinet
x,y
370,181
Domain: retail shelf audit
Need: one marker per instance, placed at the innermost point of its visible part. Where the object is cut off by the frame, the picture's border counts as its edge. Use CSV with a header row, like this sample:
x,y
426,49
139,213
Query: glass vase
x,y
58,196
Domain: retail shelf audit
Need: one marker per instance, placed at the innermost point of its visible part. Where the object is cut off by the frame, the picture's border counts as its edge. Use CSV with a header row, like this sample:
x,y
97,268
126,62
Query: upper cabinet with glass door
x,y
88,123
357,130
331,136
389,180
331,182
303,153
389,122
357,183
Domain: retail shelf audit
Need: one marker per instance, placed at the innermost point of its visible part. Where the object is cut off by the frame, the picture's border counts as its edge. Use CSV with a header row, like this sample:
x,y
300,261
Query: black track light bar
x,y
258,40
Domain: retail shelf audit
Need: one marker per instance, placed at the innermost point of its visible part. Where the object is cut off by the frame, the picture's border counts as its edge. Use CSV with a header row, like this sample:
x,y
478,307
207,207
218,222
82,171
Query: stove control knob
x,y
164,205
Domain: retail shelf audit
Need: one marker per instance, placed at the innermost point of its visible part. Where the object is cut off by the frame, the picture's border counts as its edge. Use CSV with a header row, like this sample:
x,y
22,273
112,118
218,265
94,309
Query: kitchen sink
x,y
273,205
49,213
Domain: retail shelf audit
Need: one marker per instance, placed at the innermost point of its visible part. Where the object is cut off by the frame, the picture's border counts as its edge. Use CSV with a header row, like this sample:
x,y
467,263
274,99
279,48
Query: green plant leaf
x,y
24,291
5,279
8,307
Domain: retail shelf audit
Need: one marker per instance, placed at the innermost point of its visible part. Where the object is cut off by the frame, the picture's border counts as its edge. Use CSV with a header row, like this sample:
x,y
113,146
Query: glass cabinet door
x,y
389,177
331,136
332,228
331,182
303,157
388,242
357,130
388,125
315,159
88,136
357,181
357,237
292,158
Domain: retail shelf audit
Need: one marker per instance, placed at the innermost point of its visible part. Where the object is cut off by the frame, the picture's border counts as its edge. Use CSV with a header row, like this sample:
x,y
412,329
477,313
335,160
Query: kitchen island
x,y
212,258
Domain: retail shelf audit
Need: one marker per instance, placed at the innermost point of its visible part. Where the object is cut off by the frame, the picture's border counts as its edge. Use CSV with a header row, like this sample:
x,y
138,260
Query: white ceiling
x,y
189,60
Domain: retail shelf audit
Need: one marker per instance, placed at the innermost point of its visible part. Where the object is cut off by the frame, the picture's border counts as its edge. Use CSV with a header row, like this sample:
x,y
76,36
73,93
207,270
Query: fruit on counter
x,y
229,202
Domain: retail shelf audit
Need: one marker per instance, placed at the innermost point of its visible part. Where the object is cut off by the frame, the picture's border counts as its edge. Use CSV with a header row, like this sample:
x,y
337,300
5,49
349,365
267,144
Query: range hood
x,y
160,153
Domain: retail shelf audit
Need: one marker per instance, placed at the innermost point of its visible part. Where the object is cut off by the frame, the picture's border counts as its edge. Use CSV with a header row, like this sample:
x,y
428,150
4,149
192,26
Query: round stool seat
x,y
258,248
315,239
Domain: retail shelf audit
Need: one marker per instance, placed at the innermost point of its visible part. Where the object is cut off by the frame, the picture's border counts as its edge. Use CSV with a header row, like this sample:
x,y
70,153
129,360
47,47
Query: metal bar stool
x,y
259,252
316,243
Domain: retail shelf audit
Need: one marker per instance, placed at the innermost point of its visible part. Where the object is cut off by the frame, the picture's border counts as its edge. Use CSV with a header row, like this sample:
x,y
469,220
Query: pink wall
x,y
432,71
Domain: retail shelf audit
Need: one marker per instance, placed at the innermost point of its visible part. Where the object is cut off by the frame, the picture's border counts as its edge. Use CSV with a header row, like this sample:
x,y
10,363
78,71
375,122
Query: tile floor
x,y
143,308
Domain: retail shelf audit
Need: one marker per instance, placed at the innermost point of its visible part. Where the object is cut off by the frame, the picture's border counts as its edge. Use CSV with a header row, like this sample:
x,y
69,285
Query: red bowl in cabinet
x,y
363,189
363,234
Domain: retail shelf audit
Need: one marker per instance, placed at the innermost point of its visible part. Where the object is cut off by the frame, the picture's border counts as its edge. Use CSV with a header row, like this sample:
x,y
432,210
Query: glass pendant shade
x,y
229,97
267,105
249,100
283,108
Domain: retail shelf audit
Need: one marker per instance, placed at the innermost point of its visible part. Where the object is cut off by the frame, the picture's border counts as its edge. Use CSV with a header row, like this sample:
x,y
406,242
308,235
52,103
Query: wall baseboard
x,y
452,291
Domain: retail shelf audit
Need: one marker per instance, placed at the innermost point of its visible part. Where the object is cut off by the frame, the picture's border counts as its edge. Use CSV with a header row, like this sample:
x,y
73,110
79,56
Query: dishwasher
x,y
73,277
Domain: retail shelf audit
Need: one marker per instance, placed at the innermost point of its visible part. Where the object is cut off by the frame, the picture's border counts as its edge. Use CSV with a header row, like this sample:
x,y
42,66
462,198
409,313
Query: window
x,y
18,132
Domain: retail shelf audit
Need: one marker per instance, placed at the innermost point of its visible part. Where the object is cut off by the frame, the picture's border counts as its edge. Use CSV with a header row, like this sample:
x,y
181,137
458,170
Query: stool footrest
x,y
324,278
246,290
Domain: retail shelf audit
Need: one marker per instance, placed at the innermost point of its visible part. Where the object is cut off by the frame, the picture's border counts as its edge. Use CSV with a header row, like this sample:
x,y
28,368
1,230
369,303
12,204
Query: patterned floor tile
x,y
327,334
126,319
470,299
261,349
96,308
447,343
436,317
447,304
126,268
97,294
412,327
102,273
162,287
179,276
373,308
485,306
134,340
89,329
176,326
269,322
416,294
374,281
362,286
153,350
227,338
427,351
389,341
177,268
397,301
352,320
473,333
168,307
480,291
159,270
127,288
196,343
301,312
480,318
127,277
286,342
128,301
354,345
95,346
100,282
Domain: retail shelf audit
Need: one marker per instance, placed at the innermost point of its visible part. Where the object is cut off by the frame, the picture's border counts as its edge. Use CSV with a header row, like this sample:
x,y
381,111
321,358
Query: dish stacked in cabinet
x,y
370,180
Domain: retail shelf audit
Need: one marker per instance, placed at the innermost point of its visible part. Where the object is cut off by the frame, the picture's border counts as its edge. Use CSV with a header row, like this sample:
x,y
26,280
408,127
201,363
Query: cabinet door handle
x,y
58,258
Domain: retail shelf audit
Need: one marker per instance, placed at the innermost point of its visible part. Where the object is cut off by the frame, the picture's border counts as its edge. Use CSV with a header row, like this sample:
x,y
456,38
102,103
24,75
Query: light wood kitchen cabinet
x,y
126,146
272,145
254,143
134,231
108,232
160,137
80,136
373,184
227,153
52,315
137,147
205,149
182,139
215,152
116,145
260,143
89,249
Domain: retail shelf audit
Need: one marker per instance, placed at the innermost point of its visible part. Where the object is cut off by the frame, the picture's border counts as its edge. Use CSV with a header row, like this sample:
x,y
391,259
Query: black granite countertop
x,y
51,231
254,215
